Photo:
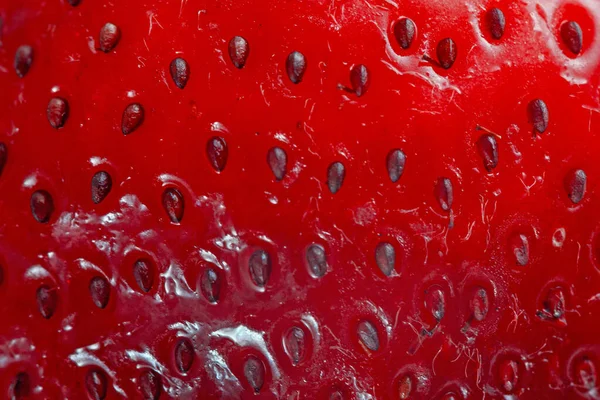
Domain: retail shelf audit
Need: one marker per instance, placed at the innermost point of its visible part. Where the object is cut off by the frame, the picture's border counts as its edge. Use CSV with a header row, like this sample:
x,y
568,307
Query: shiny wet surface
x,y
231,302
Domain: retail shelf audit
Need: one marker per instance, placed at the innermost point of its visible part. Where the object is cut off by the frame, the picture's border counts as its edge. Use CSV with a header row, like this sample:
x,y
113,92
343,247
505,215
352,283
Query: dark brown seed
x,y
405,387
446,52
404,31
109,37
260,267
23,60
367,334
479,304
538,115
150,385
435,302
254,371
385,257
101,185
359,79
554,304
21,387
508,373
74,3
585,375
496,22
575,184
96,384
47,298
520,248
295,66
173,203
57,112
444,194
100,291
217,152
42,206
3,156
184,355
133,116
335,176
488,150
450,396
395,161
180,72
572,37
238,51
295,345
337,395
317,260
143,272
277,160
210,284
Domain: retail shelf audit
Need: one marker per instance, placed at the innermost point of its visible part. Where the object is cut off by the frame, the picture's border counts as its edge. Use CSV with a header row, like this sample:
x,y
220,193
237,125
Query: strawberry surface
x,y
360,199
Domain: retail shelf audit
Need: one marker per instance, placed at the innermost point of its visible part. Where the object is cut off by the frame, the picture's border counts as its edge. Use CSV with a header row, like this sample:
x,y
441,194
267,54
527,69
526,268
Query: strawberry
x,y
299,200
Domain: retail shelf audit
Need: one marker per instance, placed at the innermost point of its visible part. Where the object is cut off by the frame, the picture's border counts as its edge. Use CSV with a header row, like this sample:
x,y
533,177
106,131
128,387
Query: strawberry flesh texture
x,y
364,332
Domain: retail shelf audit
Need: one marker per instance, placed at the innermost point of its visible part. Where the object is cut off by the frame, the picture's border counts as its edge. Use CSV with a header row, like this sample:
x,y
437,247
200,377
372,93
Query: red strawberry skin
x,y
502,304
